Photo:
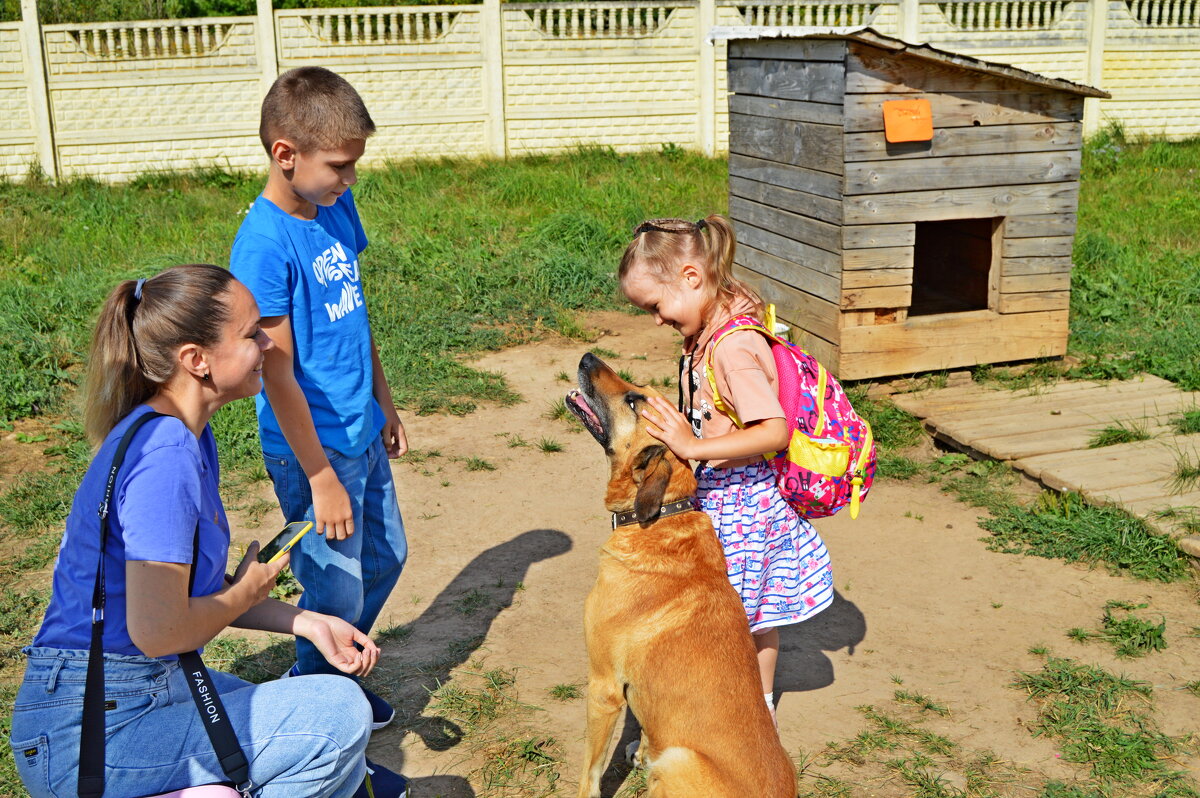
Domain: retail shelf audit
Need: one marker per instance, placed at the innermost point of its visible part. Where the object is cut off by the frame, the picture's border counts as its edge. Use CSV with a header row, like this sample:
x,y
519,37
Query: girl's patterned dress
x,y
775,559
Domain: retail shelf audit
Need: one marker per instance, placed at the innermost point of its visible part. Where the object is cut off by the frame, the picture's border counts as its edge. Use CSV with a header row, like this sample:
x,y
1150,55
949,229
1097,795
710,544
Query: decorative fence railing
x,y
1165,13
807,14
131,40
113,100
985,15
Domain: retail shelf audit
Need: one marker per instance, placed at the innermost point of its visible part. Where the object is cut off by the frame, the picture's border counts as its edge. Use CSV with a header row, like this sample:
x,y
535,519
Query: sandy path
x,y
919,597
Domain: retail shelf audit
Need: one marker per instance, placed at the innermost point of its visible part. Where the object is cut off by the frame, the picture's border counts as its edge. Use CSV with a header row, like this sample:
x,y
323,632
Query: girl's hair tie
x,y
700,225
137,289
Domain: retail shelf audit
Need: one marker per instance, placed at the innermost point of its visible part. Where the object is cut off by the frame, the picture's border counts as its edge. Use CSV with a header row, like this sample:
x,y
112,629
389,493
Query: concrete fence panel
x,y
114,100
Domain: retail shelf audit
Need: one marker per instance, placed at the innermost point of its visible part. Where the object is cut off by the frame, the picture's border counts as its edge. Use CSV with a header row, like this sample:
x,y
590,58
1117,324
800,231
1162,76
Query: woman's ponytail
x,y
141,326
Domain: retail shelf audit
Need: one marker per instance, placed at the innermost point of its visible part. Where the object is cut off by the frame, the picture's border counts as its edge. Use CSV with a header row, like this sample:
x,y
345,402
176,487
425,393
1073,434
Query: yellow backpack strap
x,y
822,379
719,403
857,479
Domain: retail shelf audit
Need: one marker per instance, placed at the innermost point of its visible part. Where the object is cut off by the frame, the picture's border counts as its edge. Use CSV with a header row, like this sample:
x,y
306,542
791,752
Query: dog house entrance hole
x,y
951,263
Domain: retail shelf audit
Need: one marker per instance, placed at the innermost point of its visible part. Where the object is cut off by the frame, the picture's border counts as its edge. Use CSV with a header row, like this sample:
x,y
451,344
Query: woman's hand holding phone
x,y
256,579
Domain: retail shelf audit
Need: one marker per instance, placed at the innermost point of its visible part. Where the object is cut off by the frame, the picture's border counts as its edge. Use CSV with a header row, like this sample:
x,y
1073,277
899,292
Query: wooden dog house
x,y
889,255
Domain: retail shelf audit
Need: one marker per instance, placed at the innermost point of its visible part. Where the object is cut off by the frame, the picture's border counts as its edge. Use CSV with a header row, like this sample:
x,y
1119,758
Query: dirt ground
x,y
501,560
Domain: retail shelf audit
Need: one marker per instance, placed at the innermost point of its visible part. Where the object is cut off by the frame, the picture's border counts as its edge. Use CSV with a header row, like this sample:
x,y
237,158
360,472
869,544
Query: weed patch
x,y
1103,722
1063,526
1129,635
1119,432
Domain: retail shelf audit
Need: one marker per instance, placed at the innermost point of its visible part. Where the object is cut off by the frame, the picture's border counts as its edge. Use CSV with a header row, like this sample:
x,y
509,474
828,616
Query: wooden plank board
x,y
977,397
1150,506
872,70
825,286
786,141
982,140
815,81
1030,444
1013,267
1023,169
961,203
1031,303
866,236
1035,282
815,314
763,209
892,296
1094,470
930,343
873,278
1044,247
865,111
789,50
878,258
801,202
1080,411
823,184
1037,225
810,257
776,108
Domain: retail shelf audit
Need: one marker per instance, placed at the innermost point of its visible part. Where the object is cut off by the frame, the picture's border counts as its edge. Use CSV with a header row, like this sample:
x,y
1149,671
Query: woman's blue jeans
x,y
306,736
351,578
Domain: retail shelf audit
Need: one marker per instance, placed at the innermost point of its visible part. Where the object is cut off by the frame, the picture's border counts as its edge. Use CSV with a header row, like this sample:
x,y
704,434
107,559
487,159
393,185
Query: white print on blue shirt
x,y
331,265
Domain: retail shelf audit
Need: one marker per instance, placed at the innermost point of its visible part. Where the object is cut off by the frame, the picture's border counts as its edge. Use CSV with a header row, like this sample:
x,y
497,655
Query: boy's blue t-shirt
x,y
168,482
308,271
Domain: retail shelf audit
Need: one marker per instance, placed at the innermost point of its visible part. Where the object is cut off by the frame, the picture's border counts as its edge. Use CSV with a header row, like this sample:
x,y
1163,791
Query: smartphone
x,y
282,543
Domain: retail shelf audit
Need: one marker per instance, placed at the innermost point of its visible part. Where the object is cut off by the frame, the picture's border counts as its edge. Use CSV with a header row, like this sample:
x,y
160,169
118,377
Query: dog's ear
x,y
651,472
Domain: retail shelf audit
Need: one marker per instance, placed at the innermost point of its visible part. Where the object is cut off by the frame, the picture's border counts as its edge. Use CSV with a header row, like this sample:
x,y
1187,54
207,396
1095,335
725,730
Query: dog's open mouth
x,y
583,411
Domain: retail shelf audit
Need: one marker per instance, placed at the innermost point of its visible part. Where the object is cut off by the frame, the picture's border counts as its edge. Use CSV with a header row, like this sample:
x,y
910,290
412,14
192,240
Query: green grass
x,y
566,692
1187,422
1129,635
465,256
478,464
1063,526
1104,722
1119,432
549,445
1134,287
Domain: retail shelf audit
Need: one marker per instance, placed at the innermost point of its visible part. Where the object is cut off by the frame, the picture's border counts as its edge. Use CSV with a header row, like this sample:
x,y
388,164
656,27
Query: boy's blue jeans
x,y
302,736
349,578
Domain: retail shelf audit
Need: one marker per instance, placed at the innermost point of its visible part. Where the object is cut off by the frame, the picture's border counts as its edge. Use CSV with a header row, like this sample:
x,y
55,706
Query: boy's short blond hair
x,y
314,109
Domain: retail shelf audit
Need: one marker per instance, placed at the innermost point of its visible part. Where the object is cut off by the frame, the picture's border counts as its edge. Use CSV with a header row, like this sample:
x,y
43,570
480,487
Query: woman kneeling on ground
x,y
183,343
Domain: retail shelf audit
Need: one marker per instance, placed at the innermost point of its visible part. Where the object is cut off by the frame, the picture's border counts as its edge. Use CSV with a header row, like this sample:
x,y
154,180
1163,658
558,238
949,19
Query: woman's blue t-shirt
x,y
168,482
308,271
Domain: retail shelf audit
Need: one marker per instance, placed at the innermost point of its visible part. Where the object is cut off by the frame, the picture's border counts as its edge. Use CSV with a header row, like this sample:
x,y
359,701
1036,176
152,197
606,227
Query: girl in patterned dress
x,y
681,273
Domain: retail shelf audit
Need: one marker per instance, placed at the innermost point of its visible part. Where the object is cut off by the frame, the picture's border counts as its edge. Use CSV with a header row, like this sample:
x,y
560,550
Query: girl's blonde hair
x,y
661,245
141,326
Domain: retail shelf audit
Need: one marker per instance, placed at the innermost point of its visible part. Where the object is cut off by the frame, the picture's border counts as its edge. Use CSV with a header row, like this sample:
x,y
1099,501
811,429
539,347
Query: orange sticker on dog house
x,y
907,120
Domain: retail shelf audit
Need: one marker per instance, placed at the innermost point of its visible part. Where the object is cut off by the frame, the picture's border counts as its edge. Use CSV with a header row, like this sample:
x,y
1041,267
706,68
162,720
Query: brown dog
x,y
665,630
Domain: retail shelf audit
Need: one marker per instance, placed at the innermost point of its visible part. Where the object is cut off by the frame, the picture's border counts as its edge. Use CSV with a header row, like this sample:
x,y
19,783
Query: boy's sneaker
x,y
382,783
382,712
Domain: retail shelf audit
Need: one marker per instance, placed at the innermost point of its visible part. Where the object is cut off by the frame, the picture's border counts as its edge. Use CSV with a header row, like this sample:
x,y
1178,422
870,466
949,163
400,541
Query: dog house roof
x,y
873,37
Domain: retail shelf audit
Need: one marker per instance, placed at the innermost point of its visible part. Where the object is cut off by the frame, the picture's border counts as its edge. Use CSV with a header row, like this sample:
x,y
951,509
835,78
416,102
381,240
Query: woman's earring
x,y
205,377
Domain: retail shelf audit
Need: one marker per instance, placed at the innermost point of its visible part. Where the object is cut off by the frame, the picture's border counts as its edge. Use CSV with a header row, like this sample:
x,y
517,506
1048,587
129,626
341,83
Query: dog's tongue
x,y
576,398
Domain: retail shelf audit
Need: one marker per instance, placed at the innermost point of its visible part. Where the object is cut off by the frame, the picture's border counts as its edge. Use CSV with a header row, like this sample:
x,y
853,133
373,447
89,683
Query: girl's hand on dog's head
x,y
669,426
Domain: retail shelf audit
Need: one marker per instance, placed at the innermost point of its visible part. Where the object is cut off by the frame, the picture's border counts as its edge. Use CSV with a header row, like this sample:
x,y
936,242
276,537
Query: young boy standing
x,y
326,418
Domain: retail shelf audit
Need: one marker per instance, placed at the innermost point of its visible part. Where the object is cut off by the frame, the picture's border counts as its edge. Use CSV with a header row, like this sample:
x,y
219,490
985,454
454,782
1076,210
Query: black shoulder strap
x,y
212,712
91,739
208,702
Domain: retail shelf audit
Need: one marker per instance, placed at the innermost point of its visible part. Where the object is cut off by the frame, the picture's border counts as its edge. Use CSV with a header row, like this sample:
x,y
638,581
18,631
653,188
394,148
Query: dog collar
x,y
674,508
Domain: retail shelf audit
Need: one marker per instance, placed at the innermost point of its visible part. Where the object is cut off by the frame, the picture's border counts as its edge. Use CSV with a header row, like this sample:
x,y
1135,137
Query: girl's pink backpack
x,y
830,461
